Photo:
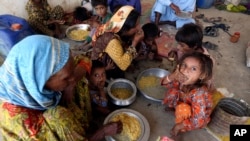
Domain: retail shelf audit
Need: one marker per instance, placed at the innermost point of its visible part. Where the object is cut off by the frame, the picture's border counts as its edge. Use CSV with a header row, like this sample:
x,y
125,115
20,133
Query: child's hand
x,y
172,55
151,55
139,35
178,76
101,85
165,80
95,24
110,65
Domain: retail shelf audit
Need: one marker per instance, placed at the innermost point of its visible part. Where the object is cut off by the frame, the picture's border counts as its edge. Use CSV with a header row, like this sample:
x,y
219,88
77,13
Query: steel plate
x,y
184,14
145,129
158,72
77,26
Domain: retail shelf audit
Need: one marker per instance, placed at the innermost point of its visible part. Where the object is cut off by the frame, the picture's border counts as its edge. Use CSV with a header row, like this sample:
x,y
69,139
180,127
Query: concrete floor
x,y
230,73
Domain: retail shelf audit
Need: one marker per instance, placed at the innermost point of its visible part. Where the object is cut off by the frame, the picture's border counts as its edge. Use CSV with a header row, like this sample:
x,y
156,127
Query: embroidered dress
x,y
199,99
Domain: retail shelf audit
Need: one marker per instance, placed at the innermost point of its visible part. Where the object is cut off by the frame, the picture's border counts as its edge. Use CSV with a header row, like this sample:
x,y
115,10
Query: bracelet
x,y
132,50
168,79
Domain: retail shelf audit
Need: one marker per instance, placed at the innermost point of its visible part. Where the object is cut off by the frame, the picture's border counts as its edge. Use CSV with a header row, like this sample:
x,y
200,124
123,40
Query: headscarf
x,y
115,24
28,66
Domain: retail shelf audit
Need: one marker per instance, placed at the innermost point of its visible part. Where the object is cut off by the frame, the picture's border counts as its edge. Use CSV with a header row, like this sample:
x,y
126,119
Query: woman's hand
x,y
109,129
56,22
113,128
67,95
60,21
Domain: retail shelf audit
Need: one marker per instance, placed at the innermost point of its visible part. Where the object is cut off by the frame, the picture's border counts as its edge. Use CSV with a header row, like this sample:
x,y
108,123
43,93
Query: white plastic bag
x,y
234,2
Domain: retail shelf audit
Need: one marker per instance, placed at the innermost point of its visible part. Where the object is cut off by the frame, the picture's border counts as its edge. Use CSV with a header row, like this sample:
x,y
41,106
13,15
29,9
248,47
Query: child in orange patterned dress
x,y
188,92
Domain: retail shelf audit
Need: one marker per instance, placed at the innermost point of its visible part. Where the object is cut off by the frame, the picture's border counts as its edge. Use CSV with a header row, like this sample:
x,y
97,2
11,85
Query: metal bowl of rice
x,y
122,92
78,32
149,85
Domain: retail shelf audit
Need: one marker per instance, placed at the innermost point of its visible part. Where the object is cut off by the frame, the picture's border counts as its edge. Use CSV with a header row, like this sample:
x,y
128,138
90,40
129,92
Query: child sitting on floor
x,y
148,48
101,16
101,10
97,81
189,93
189,39
78,16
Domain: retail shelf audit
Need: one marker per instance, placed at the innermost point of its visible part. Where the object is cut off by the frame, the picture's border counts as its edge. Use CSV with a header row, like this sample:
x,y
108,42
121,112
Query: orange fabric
x,y
86,63
200,100
33,121
182,112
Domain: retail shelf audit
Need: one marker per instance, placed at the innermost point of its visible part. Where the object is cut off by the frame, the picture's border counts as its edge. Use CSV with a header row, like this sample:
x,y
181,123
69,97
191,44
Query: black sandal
x,y
209,45
211,31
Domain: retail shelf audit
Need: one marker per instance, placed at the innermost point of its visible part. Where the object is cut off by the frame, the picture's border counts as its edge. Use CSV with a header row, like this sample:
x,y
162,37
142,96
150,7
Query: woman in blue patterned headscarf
x,y
34,79
27,68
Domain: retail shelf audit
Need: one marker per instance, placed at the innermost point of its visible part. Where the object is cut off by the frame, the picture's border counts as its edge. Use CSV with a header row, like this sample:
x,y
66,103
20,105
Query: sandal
x,y
212,20
200,16
211,31
209,45
224,27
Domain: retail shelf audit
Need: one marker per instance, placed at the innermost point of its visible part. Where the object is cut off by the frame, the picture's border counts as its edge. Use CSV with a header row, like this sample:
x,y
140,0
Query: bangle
x,y
168,79
132,50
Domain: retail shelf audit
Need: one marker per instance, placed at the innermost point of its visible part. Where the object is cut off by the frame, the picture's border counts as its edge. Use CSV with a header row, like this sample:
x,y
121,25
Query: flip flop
x,y
209,45
200,16
222,26
211,31
212,20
